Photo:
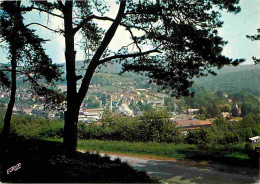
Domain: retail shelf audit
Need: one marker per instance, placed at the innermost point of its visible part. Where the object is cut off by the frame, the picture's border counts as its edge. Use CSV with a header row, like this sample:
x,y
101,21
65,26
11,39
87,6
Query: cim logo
x,y
14,168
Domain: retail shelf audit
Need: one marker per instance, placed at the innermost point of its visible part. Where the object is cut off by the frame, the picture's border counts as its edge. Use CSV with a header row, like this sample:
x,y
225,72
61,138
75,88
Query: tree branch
x,y
42,10
61,5
42,26
94,62
134,39
89,18
128,56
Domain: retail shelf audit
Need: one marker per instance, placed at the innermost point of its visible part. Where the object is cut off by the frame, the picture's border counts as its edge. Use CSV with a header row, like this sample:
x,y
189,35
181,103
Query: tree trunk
x,y
9,111
70,131
75,99
14,50
71,115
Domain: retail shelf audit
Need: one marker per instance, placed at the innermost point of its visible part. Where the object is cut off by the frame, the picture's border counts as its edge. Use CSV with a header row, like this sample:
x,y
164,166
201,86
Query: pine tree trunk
x,y
9,111
71,115
70,131
13,48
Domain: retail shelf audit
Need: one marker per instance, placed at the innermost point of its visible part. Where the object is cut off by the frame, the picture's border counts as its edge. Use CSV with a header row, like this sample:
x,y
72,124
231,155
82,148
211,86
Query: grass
x,y
109,88
256,145
166,150
238,155
154,149
169,151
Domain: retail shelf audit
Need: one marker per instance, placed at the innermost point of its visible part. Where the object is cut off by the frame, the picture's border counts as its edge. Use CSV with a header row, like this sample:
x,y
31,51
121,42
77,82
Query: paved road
x,y
174,172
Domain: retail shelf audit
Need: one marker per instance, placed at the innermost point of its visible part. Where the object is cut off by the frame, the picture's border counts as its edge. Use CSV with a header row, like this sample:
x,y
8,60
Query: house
x,y
255,140
192,111
155,102
92,114
193,123
225,115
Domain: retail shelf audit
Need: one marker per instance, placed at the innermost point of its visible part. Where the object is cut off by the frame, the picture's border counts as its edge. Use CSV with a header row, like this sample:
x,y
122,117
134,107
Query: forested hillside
x,y
228,79
233,79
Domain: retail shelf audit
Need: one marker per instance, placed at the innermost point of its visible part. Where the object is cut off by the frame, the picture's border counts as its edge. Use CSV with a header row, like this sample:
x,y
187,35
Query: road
x,y
178,172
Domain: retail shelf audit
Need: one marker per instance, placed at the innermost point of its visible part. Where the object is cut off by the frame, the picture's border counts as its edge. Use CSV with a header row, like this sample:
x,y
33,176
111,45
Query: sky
x,y
234,30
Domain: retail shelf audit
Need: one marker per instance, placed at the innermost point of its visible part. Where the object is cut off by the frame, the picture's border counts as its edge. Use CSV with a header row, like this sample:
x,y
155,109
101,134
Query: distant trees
x,y
246,109
223,132
247,102
225,108
234,109
92,102
170,104
151,126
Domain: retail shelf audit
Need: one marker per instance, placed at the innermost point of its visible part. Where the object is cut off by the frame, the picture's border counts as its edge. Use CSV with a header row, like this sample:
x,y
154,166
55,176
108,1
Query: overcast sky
x,y
234,30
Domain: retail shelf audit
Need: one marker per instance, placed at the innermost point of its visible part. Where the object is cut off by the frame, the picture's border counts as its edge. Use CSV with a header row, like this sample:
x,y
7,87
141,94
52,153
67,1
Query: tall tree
x,y
25,51
182,37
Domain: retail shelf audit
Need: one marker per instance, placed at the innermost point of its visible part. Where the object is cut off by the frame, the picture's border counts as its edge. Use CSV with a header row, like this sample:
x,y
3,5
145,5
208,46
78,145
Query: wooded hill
x,y
229,79
233,79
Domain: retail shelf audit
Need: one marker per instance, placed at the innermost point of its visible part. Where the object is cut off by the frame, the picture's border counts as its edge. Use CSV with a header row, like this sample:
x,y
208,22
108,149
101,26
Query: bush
x,y
152,126
52,128
201,117
34,127
248,147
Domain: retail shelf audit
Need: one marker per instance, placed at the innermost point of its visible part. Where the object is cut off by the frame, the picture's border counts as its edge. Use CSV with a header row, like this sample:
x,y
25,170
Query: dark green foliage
x,y
246,108
169,103
29,46
207,101
2,109
225,108
92,102
34,127
152,126
4,81
249,147
185,46
201,117
223,132
233,79
30,57
144,106
155,126
249,126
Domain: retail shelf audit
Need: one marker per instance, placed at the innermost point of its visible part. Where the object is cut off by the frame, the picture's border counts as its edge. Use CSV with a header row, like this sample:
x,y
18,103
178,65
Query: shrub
x,y
152,126
34,127
248,147
52,128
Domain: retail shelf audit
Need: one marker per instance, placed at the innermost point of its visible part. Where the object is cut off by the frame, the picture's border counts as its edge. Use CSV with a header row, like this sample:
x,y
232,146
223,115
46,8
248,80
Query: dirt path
x,y
190,172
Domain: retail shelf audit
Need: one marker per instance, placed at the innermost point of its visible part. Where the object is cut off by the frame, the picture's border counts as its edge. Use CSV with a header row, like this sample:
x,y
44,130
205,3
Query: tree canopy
x,y
171,42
